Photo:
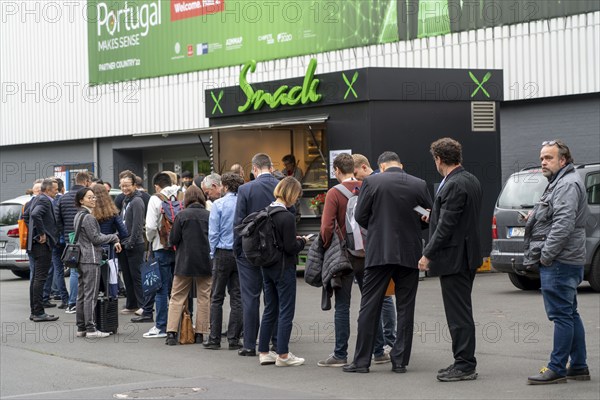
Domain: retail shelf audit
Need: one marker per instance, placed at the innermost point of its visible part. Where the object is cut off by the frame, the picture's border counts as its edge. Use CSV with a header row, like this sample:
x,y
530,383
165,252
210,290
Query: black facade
x,y
402,110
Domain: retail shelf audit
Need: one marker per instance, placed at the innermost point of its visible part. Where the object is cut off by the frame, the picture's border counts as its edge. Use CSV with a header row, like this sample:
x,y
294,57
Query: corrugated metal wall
x,y
45,96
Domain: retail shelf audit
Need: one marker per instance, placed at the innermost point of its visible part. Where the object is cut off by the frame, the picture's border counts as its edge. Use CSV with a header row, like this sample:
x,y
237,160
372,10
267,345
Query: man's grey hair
x,y
212,179
47,184
262,161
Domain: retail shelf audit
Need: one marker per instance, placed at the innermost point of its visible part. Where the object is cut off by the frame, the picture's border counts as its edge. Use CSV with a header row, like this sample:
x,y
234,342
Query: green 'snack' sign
x,y
284,95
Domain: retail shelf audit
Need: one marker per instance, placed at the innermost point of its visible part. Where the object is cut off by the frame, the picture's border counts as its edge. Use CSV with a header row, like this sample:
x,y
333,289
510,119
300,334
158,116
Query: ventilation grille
x,y
483,116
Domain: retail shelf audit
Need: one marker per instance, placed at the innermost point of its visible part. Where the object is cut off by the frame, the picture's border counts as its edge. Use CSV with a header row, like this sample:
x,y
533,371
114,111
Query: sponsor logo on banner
x,y
284,37
190,49
234,43
182,9
132,18
266,38
201,48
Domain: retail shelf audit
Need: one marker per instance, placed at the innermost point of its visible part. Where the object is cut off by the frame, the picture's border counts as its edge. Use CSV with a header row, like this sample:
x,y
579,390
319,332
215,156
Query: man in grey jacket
x,y
555,238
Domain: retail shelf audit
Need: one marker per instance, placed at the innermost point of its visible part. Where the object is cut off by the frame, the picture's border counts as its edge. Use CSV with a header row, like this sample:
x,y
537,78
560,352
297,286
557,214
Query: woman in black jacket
x,y
192,264
279,280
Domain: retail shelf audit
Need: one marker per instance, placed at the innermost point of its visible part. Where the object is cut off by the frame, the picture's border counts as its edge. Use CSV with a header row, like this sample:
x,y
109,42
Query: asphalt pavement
x,y
514,338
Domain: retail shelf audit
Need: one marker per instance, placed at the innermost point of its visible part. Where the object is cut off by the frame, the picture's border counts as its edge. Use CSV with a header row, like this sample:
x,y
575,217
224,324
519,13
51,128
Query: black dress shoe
x,y
63,306
31,317
44,318
546,377
353,368
235,345
578,374
399,369
47,304
247,352
199,338
211,345
142,318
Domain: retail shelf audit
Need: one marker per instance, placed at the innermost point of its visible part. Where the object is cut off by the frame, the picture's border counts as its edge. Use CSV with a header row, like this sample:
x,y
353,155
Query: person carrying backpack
x,y
333,221
162,209
279,279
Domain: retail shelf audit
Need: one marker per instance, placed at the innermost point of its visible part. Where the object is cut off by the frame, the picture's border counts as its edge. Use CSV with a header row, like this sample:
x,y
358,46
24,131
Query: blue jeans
x,y
166,260
387,334
559,289
73,284
280,302
58,277
341,318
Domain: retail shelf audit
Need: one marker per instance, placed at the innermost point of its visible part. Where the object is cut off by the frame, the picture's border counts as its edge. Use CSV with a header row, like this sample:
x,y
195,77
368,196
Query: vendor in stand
x,y
290,167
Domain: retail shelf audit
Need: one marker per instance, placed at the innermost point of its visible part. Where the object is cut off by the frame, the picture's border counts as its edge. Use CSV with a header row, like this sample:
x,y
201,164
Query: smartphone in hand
x,y
422,211
309,236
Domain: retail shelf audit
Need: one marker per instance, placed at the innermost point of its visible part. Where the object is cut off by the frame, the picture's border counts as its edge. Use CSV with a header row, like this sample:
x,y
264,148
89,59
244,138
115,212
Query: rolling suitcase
x,y
107,307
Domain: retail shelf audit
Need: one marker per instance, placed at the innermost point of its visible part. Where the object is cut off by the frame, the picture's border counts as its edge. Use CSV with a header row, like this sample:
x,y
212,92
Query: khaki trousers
x,y
179,294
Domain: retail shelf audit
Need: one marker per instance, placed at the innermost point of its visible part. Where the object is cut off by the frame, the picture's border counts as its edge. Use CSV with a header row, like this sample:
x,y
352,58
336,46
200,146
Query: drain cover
x,y
160,393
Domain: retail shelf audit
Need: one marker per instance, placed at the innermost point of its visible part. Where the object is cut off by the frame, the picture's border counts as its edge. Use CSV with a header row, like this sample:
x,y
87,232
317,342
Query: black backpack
x,y
259,240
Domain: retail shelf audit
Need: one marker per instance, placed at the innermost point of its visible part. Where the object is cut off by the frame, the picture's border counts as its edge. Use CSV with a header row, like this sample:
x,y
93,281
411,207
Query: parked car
x,y
521,191
11,255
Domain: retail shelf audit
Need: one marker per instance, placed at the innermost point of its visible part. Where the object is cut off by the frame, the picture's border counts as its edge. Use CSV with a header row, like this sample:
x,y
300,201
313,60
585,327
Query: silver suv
x,y
11,255
521,191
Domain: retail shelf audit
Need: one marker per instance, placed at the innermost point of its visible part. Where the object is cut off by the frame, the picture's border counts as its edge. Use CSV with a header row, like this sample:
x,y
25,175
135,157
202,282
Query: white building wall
x,y
44,73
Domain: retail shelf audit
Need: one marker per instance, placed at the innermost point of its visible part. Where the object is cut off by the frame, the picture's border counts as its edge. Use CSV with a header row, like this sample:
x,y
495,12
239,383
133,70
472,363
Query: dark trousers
x,y
225,276
42,256
456,294
130,263
251,282
375,284
280,307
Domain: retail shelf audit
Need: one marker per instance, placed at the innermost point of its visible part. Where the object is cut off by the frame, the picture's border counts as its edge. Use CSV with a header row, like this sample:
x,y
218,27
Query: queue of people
x,y
204,252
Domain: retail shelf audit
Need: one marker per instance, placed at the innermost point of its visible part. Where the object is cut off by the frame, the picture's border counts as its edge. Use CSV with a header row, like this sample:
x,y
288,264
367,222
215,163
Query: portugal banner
x,y
144,38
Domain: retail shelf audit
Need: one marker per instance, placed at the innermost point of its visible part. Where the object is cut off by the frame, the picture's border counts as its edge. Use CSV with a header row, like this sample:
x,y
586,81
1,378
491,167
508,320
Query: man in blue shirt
x,y
225,272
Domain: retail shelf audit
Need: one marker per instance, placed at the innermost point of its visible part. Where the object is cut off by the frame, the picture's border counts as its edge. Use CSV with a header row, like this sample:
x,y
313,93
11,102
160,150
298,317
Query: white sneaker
x,y
97,334
139,311
387,349
290,361
269,358
154,333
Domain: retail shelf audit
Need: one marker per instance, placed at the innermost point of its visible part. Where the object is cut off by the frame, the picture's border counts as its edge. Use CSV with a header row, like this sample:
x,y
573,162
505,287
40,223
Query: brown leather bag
x,y
186,329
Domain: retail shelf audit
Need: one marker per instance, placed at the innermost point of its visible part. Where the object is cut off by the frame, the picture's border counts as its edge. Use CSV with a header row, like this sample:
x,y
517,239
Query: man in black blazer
x,y
454,253
42,238
251,197
385,207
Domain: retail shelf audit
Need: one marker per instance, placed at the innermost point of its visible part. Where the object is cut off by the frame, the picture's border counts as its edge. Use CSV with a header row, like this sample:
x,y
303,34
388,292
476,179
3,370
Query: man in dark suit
x,y
43,237
385,208
252,196
454,253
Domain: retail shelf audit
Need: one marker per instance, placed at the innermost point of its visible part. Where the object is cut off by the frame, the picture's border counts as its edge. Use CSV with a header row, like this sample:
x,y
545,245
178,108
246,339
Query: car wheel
x,y
594,274
21,274
523,282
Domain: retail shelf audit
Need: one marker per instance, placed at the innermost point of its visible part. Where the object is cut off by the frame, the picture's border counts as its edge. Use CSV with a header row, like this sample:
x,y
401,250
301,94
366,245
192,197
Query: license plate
x,y
518,231
2,245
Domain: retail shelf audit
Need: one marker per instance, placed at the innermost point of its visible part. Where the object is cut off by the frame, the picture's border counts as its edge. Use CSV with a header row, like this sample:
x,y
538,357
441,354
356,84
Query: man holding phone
x,y
454,253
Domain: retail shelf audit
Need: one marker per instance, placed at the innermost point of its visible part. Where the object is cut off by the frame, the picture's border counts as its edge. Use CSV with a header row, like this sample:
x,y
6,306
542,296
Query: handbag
x,y
151,280
186,329
72,252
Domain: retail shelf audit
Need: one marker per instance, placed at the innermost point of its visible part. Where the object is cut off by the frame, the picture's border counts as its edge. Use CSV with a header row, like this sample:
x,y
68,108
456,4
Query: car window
x,y
592,185
522,190
9,214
